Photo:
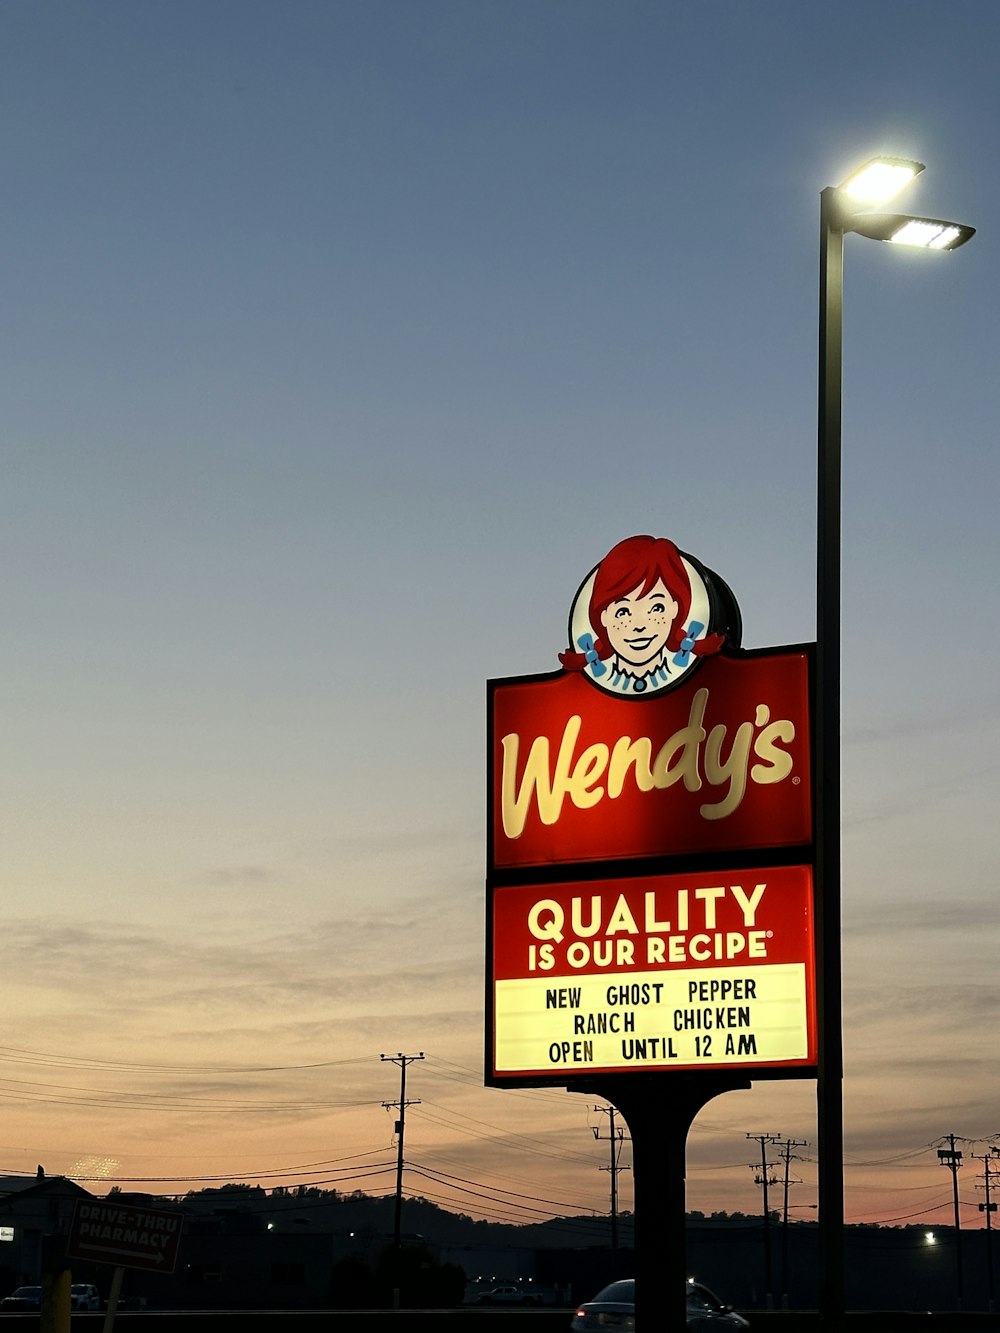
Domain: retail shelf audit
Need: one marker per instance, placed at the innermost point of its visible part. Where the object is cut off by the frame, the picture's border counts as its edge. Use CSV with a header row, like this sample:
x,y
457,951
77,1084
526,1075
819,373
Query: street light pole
x,y
840,212
826,785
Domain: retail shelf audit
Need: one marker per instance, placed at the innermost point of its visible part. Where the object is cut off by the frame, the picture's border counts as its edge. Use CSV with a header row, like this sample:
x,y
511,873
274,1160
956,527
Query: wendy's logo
x,y
645,616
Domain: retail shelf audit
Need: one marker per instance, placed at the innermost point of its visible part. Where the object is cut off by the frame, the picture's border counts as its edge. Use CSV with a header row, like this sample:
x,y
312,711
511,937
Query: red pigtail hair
x,y
573,661
706,647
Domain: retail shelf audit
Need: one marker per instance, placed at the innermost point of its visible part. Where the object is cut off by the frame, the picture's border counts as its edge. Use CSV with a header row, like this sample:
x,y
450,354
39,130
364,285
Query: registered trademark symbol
x,y
770,934
796,780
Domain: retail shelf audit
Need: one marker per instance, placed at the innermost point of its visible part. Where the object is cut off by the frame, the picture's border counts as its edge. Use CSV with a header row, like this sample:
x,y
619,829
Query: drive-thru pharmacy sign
x,y
107,1232
650,839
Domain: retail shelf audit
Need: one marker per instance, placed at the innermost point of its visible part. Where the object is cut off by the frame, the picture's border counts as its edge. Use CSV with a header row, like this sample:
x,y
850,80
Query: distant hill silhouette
x,y
366,1214
373,1215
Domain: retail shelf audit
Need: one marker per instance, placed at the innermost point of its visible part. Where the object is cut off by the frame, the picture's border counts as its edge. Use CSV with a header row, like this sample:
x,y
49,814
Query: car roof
x,y
624,1289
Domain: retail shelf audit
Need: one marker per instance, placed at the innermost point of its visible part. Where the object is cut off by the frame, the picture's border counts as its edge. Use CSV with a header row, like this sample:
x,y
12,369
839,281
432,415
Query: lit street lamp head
x,y
880,180
876,183
900,229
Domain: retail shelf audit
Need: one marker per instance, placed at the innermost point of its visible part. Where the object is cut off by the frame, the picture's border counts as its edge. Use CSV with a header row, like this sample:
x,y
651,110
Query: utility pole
x,y
786,1154
764,1181
615,1138
952,1159
401,1060
988,1208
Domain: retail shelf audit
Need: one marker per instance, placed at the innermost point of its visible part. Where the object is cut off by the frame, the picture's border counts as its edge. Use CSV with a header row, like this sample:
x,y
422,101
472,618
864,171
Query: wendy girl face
x,y
639,620
638,625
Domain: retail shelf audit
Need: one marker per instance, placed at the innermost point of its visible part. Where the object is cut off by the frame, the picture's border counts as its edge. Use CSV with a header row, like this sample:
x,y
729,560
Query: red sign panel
x,y
709,971
104,1231
720,764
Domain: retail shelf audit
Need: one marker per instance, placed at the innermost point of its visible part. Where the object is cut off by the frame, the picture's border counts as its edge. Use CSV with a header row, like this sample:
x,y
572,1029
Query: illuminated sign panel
x,y
654,972
649,839
720,764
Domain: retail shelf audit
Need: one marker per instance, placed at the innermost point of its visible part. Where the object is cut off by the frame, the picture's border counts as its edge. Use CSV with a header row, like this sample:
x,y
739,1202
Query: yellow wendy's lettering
x,y
693,756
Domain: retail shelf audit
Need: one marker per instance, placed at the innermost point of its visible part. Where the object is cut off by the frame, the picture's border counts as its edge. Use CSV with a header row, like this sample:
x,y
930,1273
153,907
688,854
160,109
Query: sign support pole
x,y
659,1111
116,1291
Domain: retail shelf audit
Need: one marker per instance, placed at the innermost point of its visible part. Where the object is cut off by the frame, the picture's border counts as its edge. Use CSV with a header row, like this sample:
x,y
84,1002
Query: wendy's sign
x,y
659,737
650,831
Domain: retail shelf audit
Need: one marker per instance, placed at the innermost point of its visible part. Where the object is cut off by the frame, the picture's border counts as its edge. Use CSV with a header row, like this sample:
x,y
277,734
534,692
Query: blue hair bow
x,y
586,642
683,657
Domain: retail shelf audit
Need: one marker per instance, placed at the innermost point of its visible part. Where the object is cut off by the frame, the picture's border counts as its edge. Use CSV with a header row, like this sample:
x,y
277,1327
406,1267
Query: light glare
x,y
878,181
948,235
928,235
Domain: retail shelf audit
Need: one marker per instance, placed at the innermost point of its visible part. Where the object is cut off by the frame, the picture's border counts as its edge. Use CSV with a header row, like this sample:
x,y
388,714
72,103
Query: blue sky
x,y
340,340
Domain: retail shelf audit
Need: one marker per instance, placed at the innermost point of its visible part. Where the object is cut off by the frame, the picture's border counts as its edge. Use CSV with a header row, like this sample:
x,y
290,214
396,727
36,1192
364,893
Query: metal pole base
x,y
659,1110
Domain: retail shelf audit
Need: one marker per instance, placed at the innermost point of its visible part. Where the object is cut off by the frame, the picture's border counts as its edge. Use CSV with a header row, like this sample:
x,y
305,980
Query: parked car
x,y
84,1296
23,1298
614,1308
508,1295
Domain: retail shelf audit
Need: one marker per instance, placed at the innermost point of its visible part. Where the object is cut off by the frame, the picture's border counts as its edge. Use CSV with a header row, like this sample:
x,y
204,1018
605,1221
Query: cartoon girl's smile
x,y
638,625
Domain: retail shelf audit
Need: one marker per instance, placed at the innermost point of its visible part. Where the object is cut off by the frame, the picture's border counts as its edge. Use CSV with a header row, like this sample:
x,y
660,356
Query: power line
x,y
555,1203
93,1062
520,1141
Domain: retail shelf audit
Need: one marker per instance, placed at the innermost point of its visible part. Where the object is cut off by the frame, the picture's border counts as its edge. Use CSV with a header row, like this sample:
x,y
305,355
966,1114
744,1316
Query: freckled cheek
x,y
661,626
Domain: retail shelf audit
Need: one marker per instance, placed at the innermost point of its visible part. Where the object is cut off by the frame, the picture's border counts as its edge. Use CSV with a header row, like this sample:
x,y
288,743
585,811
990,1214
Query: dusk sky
x,y
340,340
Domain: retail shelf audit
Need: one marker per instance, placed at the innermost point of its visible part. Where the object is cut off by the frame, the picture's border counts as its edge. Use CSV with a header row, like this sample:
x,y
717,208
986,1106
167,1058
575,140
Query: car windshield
x,y
28,1291
623,1293
702,1299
